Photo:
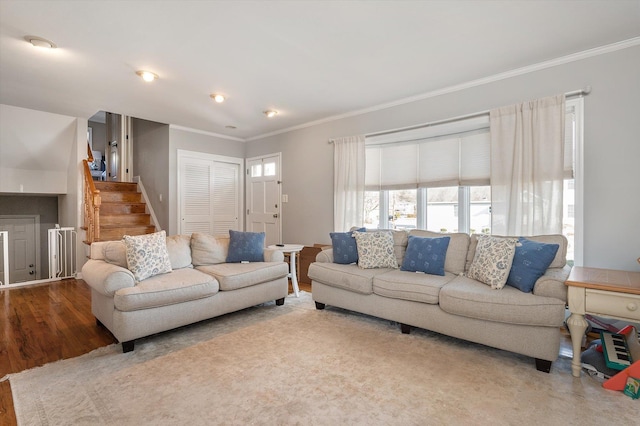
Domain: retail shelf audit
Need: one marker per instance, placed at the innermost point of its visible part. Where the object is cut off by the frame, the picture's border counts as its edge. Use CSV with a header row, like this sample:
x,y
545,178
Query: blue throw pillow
x,y
246,246
529,263
345,250
425,255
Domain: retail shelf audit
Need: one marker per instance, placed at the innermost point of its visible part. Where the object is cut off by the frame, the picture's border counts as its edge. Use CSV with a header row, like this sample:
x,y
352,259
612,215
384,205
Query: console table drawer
x,y
619,305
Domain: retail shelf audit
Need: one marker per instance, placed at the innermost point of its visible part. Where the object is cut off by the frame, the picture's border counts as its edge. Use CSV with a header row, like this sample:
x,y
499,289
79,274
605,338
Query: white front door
x,y
263,197
209,195
22,248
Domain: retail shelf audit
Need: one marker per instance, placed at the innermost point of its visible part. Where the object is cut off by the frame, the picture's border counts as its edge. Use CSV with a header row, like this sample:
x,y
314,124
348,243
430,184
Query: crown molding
x,y
467,85
204,132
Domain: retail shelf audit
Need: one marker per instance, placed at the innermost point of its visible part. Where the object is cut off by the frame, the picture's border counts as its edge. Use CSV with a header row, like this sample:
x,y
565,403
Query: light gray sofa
x,y
453,304
200,286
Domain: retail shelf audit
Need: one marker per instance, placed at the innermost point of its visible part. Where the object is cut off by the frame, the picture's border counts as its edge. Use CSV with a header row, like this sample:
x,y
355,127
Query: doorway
x,y
263,197
23,239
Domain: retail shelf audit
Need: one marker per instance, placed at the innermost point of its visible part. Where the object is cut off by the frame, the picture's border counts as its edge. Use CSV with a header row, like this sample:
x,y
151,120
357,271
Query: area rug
x,y
292,364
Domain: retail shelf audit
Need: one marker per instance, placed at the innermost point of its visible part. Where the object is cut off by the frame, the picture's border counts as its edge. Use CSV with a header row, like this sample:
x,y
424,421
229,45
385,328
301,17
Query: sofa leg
x,y
406,329
543,365
280,301
320,306
127,346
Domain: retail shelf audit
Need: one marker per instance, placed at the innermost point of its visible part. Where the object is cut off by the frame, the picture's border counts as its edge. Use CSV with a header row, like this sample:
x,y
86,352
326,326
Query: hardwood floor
x,y
46,323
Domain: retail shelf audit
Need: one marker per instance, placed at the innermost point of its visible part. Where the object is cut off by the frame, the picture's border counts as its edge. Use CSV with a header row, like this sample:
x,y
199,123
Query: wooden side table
x,y
602,292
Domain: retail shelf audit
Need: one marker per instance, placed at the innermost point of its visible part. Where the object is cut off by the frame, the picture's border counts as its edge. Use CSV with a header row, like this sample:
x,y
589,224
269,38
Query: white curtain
x,y
348,182
527,164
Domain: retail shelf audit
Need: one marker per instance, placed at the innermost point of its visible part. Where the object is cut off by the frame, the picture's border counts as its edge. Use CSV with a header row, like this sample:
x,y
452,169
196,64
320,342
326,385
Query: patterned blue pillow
x,y
529,263
245,247
425,255
345,250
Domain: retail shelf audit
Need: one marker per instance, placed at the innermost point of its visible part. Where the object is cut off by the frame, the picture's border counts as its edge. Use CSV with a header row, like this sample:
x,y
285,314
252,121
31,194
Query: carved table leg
x,y
577,326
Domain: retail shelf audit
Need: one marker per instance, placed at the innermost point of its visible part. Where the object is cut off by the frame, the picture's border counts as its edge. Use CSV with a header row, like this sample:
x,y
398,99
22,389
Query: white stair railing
x,y
62,253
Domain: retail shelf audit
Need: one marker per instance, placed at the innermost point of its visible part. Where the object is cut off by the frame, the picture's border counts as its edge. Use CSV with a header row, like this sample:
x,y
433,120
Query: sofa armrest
x,y
551,284
106,278
273,255
325,256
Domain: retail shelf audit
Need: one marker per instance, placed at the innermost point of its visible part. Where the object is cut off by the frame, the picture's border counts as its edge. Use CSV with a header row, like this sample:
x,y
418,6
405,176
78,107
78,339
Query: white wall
x,y
611,151
151,162
34,150
198,142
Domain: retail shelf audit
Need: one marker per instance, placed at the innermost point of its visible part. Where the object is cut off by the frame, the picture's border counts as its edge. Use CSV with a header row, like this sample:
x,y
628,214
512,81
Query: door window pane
x,y
270,169
442,204
256,170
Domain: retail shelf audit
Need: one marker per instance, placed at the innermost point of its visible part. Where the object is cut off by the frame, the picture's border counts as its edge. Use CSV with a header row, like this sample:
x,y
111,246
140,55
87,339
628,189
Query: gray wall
x,y
151,162
98,137
611,150
44,206
198,142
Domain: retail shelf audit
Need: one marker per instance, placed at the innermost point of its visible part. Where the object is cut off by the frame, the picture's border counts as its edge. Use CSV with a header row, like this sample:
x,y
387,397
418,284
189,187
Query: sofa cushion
x,y
415,286
344,247
245,247
530,262
558,262
469,298
425,255
179,249
492,261
180,285
400,241
147,255
456,252
375,250
115,252
232,276
348,277
208,250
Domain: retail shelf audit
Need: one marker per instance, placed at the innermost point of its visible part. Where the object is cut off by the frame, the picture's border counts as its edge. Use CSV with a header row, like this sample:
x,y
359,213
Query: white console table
x,y
602,292
291,249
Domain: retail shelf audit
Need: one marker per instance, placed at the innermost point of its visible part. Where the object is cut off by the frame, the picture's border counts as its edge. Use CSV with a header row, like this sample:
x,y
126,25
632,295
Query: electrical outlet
x,y
285,198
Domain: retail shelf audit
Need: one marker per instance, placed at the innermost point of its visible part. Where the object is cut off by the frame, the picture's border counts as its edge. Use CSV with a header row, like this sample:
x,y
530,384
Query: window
x,y
426,178
437,178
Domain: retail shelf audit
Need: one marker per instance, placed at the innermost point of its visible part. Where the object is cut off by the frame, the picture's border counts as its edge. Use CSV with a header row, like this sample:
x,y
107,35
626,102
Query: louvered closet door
x,y
209,196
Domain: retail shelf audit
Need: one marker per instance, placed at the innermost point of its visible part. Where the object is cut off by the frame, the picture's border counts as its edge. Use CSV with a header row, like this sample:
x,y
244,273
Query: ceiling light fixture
x,y
147,76
40,42
270,113
217,97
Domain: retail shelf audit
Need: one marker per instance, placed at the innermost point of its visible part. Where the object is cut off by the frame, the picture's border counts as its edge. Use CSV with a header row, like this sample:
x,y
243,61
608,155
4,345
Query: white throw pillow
x,y
375,250
492,261
147,255
208,250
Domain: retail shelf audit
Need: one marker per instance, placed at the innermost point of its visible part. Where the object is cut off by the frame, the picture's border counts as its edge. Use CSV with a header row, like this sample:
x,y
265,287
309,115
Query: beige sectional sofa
x,y
453,304
200,286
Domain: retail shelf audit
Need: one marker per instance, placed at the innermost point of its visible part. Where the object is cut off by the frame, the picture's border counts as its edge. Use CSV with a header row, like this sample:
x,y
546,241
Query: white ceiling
x,y
310,60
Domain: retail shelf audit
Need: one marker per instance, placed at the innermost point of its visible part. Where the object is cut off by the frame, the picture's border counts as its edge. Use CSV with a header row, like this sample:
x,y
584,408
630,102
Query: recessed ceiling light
x,y
40,42
147,76
270,113
217,97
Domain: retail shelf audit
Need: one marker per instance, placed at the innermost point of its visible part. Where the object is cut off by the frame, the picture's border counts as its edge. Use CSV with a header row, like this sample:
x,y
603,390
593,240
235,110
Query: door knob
x,y
31,266
31,272
275,215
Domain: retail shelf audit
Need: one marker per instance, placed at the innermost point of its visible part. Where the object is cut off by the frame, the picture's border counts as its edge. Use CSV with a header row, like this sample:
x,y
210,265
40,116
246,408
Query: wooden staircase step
x,y
116,232
125,219
121,208
118,197
116,186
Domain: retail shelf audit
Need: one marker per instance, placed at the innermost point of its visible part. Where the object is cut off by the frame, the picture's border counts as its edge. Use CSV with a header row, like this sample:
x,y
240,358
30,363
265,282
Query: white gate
x,y
62,253
4,235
